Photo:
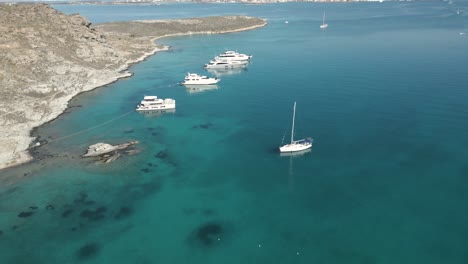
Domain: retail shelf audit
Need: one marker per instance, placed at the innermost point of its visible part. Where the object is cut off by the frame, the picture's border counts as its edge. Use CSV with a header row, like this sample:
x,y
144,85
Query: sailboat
x,y
324,25
296,145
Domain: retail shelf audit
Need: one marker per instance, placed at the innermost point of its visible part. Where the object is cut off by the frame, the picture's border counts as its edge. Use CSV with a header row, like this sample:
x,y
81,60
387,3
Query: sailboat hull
x,y
296,146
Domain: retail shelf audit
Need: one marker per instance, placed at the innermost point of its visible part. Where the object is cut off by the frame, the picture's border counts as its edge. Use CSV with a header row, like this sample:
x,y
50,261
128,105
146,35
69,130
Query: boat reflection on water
x,y
199,88
292,156
225,72
155,113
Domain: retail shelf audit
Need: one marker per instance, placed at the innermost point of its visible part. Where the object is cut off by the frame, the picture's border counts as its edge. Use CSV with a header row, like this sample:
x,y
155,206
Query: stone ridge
x,y
47,57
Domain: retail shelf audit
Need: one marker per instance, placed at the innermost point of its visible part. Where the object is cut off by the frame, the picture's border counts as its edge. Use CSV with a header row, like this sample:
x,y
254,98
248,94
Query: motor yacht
x,y
233,55
224,64
195,79
152,102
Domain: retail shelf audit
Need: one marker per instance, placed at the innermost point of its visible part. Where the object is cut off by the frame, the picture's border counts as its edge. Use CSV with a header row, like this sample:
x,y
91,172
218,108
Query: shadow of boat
x,y
199,88
155,113
226,72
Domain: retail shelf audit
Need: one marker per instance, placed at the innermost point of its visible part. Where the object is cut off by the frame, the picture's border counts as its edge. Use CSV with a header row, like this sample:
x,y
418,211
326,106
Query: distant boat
x,y
324,25
296,145
458,11
286,22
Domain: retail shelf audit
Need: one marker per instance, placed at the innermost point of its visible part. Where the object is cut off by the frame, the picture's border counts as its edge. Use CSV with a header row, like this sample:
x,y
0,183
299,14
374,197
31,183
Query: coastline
x,y
22,143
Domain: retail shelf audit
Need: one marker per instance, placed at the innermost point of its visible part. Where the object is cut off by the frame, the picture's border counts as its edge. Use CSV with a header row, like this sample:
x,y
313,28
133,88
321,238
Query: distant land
x,y
199,1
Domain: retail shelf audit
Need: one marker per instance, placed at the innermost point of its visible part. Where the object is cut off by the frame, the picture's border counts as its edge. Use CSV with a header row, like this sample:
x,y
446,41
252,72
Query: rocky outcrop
x,y
107,152
99,149
47,57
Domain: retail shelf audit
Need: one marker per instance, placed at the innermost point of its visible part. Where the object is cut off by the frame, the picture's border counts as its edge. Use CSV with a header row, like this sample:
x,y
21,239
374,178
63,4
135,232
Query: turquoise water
x,y
382,91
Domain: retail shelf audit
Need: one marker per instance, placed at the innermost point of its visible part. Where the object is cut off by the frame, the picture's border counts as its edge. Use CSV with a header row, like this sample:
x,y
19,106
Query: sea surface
x,y
382,91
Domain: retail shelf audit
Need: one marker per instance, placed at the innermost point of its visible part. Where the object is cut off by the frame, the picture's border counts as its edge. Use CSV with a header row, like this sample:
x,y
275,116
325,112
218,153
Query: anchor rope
x,y
90,128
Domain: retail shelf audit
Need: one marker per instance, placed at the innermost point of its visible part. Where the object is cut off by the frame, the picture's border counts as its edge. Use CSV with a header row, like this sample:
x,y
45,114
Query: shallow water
x,y
382,91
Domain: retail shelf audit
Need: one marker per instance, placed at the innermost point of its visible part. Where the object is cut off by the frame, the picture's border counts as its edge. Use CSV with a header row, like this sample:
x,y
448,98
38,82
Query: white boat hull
x,y
296,146
224,66
238,58
201,82
152,103
153,108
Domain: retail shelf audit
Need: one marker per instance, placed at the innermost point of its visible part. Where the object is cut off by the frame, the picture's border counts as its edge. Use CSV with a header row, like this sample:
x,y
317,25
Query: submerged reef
x,y
88,251
208,234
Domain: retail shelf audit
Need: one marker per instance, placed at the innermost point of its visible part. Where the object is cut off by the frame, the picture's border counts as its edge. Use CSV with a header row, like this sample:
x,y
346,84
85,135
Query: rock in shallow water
x,y
25,214
103,148
88,251
208,234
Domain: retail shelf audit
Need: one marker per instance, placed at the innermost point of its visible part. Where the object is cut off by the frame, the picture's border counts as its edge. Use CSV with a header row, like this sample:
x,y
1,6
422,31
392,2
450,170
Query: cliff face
x,y
47,57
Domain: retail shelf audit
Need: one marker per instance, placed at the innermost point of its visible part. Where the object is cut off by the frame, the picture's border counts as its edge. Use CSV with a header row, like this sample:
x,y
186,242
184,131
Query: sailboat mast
x,y
292,130
323,18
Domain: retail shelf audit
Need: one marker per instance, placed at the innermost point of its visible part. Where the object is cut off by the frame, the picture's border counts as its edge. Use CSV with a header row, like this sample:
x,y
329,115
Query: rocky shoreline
x,y
47,58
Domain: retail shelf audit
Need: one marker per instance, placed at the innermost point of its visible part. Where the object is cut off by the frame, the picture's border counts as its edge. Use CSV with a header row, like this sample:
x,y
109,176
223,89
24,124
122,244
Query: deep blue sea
x,y
382,91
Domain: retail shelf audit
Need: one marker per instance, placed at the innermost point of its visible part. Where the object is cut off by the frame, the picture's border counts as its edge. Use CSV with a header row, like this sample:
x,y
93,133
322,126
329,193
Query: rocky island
x,y
47,58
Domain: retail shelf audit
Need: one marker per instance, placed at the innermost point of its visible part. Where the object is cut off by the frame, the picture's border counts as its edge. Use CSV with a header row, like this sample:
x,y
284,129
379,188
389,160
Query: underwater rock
x,y
209,233
123,212
25,214
161,154
132,151
149,164
67,213
91,215
90,202
208,212
50,207
204,126
129,131
14,227
112,158
151,187
88,251
1,232
12,190
81,199
145,170
33,207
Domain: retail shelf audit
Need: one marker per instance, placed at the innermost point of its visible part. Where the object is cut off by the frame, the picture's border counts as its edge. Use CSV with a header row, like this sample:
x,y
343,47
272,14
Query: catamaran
x,y
296,145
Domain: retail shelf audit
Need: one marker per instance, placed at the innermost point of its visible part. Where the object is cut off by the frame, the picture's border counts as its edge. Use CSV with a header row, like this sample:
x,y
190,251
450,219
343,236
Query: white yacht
x,y
152,102
233,55
193,78
324,25
296,145
224,64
